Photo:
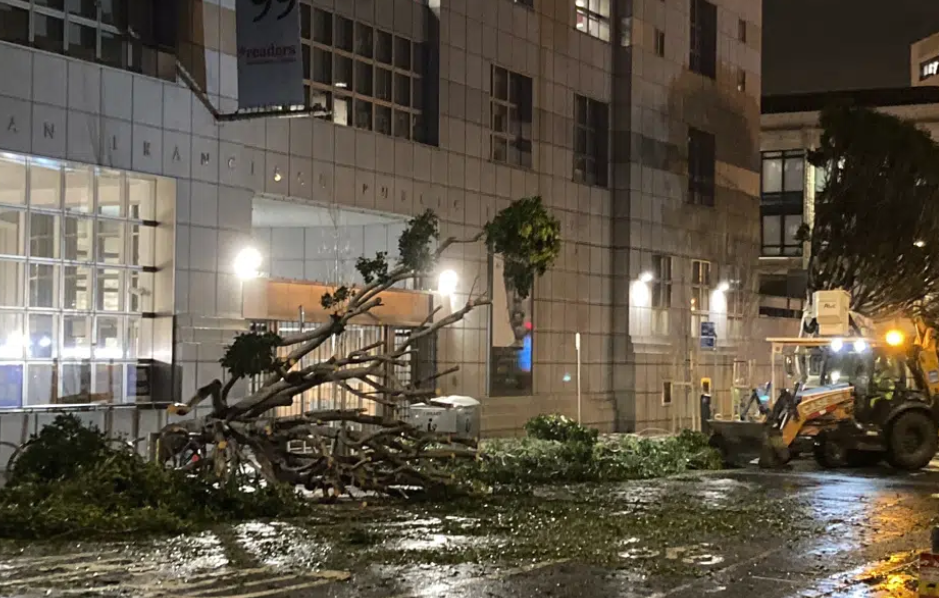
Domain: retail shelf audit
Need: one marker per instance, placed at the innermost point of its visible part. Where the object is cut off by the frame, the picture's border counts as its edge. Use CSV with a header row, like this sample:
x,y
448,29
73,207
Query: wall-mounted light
x,y
646,277
919,243
277,175
446,282
247,263
837,345
723,287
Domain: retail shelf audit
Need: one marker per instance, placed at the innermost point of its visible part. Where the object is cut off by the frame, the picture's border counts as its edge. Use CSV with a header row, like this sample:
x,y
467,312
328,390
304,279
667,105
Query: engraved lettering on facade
x,y
176,155
12,125
231,164
114,142
146,148
204,158
384,192
48,130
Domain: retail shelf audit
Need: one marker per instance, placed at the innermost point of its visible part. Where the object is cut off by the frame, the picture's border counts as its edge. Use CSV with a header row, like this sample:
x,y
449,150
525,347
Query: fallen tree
x,y
346,449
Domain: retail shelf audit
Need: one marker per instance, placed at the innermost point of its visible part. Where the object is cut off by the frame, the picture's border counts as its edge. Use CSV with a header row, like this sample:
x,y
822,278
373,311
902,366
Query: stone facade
x,y
59,107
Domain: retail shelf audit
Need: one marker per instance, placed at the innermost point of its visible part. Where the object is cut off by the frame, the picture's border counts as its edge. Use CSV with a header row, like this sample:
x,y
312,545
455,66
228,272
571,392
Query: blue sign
x,y
708,335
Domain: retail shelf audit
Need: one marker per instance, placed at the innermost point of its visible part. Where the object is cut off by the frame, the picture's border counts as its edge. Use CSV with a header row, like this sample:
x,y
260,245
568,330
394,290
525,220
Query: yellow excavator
x,y
858,400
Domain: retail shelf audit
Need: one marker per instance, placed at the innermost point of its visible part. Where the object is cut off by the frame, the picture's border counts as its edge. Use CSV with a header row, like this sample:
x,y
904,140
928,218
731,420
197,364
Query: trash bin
x,y
446,415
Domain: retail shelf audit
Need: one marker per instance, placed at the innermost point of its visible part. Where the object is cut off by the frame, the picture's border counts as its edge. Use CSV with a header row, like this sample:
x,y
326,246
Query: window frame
x,y
702,167
702,55
516,135
660,43
782,204
589,18
594,155
325,41
701,286
661,281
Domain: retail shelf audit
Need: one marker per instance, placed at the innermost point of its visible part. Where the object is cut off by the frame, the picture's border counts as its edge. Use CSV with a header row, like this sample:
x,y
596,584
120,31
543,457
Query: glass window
x,y
383,45
363,115
402,124
322,66
141,197
511,107
14,25
113,51
77,239
794,173
108,384
11,375
134,303
77,283
591,139
772,174
43,235
342,110
82,41
12,339
12,180
131,349
42,336
306,21
76,337
383,119
49,33
12,231
110,194
363,78
79,195
363,40
12,283
110,241
772,232
821,179
402,90
42,285
383,84
39,384
307,68
110,290
54,4
701,167
344,34
703,52
322,27
342,76
403,53
75,379
109,338
792,224
45,184
83,8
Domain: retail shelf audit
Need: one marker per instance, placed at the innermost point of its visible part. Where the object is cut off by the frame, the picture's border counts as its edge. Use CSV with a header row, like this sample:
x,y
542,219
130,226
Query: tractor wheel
x,y
912,439
829,453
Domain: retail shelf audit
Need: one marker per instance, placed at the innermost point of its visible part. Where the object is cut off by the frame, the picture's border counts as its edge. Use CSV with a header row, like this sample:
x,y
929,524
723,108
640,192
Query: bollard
x,y
705,412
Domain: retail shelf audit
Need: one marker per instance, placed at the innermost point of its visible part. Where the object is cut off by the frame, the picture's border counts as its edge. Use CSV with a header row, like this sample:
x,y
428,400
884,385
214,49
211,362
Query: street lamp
x,y
646,277
446,282
248,263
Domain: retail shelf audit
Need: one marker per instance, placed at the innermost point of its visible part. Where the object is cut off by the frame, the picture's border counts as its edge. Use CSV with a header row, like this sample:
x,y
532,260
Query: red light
x,y
528,326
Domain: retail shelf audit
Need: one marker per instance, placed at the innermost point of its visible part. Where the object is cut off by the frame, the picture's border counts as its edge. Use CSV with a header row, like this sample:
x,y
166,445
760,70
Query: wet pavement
x,y
852,534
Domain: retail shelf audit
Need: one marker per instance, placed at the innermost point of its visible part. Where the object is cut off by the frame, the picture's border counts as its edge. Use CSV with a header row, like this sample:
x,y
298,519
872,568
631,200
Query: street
x,y
837,534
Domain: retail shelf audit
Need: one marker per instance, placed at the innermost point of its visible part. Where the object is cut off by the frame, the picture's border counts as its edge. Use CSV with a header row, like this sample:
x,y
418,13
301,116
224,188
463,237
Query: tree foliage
x,y
252,354
528,238
875,219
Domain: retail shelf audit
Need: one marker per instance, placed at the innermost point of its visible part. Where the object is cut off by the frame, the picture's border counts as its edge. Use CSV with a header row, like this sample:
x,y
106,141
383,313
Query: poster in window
x,y
510,350
270,57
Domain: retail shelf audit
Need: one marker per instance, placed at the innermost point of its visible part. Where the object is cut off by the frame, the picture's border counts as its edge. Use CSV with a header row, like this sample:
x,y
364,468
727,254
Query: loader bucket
x,y
739,442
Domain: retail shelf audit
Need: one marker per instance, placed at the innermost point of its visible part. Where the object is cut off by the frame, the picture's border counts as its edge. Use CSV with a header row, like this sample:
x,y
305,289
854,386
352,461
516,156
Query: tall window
x,y
701,167
781,202
662,281
362,76
591,140
703,56
593,18
700,285
75,243
512,110
97,31
659,43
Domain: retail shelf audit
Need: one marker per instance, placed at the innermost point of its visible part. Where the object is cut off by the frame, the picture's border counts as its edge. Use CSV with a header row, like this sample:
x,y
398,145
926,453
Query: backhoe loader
x,y
859,400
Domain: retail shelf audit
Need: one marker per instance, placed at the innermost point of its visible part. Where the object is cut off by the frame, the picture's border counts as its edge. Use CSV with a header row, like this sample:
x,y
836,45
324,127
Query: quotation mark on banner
x,y
268,4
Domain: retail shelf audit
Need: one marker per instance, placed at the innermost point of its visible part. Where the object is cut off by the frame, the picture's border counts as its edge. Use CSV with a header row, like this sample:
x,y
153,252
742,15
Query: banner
x,y
270,58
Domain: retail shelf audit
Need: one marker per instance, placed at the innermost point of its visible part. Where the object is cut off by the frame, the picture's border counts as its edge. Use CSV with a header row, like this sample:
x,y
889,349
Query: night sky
x,y
817,45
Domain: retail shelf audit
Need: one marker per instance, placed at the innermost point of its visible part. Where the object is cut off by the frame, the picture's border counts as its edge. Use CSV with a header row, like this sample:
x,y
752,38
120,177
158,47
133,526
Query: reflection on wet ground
x,y
800,534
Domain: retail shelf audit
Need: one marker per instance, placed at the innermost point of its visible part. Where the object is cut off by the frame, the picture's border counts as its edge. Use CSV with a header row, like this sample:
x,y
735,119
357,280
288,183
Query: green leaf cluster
x,y
252,354
528,238
70,482
560,428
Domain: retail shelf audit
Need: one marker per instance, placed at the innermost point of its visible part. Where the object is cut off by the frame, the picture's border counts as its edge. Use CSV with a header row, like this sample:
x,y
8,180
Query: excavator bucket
x,y
739,442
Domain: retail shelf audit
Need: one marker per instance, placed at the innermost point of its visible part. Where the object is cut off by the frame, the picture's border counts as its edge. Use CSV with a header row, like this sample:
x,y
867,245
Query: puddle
x,y
279,545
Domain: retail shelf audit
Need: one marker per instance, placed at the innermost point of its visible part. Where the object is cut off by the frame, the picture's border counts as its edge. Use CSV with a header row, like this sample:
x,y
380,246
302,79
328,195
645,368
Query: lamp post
x,y
577,347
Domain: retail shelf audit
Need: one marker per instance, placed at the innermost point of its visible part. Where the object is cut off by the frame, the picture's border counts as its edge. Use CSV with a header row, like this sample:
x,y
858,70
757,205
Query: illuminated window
x,y
662,281
781,201
74,246
700,285
593,18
